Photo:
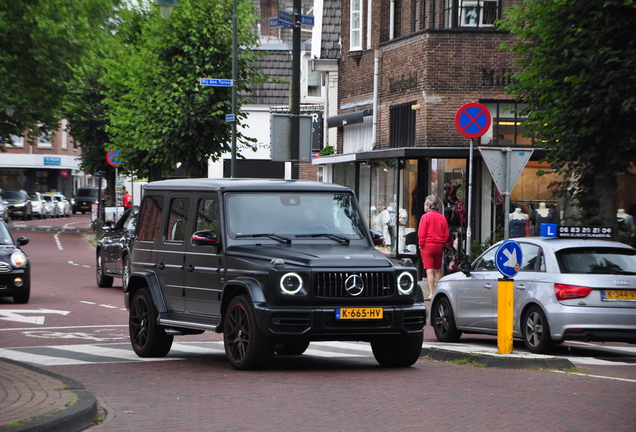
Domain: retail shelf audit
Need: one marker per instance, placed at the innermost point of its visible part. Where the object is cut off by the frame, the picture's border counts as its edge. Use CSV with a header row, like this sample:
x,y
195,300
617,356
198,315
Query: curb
x,y
499,361
74,417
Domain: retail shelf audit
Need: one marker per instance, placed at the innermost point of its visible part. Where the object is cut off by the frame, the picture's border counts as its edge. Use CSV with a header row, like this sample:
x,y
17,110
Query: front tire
x,y
148,338
443,321
24,297
535,331
103,281
246,348
398,352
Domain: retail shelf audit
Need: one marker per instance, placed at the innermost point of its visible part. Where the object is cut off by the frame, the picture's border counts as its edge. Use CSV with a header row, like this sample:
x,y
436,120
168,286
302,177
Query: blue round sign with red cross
x,y
473,120
112,158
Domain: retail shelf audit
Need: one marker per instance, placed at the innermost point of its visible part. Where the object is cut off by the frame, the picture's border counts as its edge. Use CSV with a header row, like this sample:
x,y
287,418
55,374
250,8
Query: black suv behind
x,y
84,199
271,264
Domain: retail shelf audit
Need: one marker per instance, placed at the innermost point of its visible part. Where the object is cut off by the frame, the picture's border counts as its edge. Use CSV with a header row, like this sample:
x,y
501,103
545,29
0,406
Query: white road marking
x,y
37,359
16,315
57,241
64,327
87,302
596,376
108,306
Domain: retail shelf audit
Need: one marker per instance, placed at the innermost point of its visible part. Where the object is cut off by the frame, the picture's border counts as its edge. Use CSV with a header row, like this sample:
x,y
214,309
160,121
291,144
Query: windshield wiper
x,y
272,236
341,239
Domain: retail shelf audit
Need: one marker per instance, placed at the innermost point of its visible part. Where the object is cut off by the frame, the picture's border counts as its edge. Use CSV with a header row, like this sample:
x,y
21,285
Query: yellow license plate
x,y
359,313
619,295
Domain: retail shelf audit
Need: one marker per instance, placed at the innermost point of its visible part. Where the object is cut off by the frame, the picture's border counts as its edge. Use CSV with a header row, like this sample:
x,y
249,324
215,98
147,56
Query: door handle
x,y
488,286
521,287
190,268
161,266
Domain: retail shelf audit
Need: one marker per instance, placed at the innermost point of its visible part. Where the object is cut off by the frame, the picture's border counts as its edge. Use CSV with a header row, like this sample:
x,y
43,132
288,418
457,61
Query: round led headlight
x,y
18,259
405,283
291,283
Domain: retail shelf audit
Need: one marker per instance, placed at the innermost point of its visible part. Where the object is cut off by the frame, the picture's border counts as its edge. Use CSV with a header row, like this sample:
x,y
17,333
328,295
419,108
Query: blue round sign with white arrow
x,y
508,258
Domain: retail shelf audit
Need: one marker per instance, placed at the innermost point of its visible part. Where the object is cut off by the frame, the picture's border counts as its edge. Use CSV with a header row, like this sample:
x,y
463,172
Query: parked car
x,y
63,206
566,289
15,277
114,248
19,204
40,208
4,210
273,265
84,199
53,209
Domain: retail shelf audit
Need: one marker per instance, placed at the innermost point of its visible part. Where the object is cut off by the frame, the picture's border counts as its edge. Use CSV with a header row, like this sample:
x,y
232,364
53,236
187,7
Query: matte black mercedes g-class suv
x,y
271,264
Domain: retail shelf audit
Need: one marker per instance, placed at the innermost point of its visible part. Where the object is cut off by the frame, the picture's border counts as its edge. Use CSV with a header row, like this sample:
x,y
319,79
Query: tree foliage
x,y
41,44
577,63
159,115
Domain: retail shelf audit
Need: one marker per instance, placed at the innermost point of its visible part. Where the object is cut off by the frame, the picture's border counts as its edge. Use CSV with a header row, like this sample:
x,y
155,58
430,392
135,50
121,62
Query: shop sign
x,y
52,161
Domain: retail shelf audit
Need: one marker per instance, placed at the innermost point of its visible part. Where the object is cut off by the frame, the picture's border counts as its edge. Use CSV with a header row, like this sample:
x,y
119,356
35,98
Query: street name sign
x,y
216,82
229,117
286,19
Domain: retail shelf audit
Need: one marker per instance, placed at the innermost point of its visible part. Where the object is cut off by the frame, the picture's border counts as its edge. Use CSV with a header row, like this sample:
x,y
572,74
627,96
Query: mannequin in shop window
x,y
542,215
381,220
517,223
625,221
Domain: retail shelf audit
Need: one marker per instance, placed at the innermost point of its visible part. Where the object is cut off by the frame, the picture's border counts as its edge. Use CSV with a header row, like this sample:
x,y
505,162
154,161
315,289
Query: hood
x,y
312,255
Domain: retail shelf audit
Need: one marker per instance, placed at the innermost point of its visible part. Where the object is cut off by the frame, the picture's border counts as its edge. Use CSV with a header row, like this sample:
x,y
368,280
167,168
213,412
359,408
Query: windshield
x,y
87,192
293,215
591,260
5,236
11,195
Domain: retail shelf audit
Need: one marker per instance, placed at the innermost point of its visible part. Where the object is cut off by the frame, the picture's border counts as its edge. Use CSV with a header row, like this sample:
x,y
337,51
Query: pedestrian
x,y
432,236
126,199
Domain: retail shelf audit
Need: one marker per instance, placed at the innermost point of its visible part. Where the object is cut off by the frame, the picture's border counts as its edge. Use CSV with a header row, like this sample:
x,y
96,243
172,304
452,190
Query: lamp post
x,y
165,9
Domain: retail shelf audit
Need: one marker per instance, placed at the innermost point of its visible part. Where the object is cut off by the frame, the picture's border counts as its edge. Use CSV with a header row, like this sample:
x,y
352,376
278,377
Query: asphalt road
x,y
73,328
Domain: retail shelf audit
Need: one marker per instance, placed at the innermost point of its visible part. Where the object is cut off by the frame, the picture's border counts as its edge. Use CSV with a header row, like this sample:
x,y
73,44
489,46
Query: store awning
x,y
348,119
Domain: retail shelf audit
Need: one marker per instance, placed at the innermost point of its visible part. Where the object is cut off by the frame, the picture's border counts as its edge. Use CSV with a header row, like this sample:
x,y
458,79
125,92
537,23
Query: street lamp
x,y
165,8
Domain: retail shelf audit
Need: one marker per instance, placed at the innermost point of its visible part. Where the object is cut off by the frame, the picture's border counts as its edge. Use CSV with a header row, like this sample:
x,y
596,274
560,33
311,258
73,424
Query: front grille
x,y
4,267
332,285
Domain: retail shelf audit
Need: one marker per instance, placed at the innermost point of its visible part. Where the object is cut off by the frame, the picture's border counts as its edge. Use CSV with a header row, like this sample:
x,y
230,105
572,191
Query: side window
x,y
208,215
178,219
530,255
150,218
486,262
131,221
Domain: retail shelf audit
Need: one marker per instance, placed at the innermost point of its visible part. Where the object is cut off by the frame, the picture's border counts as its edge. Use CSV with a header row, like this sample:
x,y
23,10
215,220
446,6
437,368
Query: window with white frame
x,y
45,141
356,25
470,13
64,135
17,141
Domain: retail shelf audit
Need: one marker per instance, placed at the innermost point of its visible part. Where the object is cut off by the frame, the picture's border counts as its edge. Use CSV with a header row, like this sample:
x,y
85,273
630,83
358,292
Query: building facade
x,y
406,68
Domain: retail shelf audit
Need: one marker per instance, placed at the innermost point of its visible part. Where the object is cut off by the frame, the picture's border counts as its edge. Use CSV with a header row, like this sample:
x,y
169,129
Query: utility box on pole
x,y
280,143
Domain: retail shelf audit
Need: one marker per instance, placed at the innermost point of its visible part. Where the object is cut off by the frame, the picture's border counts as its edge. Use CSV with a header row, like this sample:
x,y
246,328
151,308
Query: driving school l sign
x,y
473,120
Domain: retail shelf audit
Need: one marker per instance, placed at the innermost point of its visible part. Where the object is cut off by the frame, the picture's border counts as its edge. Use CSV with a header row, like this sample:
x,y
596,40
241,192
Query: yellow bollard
x,y
505,311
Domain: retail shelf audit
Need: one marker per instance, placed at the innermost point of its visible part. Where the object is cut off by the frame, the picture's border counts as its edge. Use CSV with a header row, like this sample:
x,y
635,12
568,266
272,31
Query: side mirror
x,y
378,238
204,238
23,241
464,267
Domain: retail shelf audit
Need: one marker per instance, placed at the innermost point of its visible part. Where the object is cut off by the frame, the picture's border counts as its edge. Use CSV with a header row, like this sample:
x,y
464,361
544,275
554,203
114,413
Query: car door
x,y
475,297
203,261
171,254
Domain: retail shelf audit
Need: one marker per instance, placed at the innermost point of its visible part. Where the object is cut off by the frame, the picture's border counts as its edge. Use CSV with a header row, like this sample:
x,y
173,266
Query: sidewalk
x,y
32,399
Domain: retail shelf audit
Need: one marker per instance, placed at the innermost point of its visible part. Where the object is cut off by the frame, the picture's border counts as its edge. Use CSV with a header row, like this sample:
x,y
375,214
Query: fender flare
x,y
147,279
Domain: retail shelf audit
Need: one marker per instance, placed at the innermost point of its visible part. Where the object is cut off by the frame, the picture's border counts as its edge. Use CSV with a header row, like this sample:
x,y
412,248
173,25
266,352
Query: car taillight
x,y
568,292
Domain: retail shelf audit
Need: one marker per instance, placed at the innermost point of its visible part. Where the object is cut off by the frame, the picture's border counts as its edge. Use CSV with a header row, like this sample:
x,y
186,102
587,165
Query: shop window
x,y
383,216
402,125
470,13
507,125
356,25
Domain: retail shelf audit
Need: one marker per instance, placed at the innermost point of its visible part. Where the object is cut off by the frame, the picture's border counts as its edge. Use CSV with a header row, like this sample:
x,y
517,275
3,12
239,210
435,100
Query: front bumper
x,y
320,323
8,286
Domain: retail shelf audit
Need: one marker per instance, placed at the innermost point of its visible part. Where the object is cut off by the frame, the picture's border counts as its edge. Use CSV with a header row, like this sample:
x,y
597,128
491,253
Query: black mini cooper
x,y
15,279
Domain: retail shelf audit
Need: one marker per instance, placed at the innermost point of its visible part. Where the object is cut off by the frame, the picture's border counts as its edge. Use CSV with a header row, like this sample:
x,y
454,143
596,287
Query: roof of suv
x,y
244,185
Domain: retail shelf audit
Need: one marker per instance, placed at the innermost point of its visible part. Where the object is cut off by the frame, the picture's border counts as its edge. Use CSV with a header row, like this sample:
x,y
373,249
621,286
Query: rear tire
x,y
443,321
148,338
535,331
246,348
398,352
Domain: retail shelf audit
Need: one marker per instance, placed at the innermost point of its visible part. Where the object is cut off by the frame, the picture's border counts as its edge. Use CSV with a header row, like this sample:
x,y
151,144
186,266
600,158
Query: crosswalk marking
x,y
84,354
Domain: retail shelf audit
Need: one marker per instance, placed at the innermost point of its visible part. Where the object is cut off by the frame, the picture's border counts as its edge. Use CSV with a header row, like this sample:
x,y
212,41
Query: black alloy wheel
x,y
148,338
246,348
443,321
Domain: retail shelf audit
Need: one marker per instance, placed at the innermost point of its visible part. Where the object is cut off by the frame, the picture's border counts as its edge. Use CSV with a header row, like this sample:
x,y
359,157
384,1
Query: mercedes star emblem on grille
x,y
354,285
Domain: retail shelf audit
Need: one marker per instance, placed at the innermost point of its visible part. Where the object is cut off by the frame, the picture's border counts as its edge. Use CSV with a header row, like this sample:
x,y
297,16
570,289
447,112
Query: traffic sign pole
x,y
505,324
470,202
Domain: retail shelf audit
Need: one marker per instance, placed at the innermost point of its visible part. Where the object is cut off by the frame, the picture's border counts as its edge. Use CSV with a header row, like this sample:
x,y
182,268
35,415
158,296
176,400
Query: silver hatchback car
x,y
566,289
